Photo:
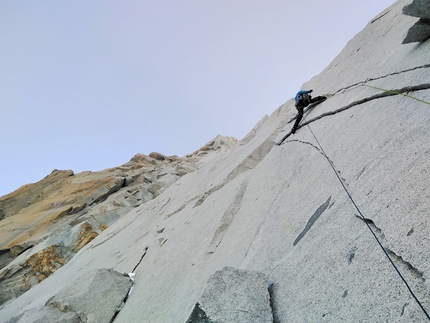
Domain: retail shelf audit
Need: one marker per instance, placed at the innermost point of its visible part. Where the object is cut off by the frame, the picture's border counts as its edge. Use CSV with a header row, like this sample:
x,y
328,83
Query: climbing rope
x,y
369,227
398,93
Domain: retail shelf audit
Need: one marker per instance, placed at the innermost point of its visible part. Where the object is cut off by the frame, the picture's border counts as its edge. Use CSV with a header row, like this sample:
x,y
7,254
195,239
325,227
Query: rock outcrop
x,y
331,225
233,295
419,32
95,297
45,224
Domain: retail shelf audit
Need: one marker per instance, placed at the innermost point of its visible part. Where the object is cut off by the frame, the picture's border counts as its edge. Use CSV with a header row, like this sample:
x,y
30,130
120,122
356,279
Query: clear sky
x,y
85,85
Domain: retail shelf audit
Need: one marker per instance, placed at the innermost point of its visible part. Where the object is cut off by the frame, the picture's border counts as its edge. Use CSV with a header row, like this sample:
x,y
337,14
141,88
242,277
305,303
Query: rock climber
x,y
303,99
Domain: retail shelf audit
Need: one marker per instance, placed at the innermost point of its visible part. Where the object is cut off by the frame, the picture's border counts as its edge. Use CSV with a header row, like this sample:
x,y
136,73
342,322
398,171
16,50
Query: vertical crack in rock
x,y
227,218
312,220
141,258
131,276
403,309
124,300
272,300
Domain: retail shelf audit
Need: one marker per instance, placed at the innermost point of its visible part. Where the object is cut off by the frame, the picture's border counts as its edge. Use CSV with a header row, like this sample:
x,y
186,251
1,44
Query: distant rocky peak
x,y
218,143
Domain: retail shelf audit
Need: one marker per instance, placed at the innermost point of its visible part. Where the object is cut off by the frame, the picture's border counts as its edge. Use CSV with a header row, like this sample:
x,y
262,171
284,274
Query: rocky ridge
x,y
330,225
43,225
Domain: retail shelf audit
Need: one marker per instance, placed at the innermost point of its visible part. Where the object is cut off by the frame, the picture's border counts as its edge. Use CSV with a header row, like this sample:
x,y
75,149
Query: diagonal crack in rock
x,y
420,87
305,143
141,258
394,256
400,91
380,77
399,259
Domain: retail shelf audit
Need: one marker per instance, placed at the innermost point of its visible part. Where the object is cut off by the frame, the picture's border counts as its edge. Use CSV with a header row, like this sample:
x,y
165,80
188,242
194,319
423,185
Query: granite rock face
x,y
43,225
419,32
93,298
45,314
233,295
335,217
418,8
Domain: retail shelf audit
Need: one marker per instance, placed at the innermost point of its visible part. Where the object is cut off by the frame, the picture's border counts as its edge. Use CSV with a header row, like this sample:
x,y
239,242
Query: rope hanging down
x,y
369,227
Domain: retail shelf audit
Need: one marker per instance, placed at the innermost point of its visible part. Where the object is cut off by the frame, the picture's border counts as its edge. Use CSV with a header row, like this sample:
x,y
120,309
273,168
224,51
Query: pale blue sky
x,y
85,85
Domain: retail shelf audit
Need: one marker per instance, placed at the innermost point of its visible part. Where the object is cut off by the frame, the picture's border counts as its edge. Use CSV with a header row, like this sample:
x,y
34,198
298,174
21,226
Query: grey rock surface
x,y
95,297
292,212
45,314
418,8
233,295
91,203
419,32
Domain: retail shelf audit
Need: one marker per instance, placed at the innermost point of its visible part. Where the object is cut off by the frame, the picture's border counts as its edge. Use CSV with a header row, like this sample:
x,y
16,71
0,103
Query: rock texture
x,y
419,32
335,217
233,295
95,297
43,225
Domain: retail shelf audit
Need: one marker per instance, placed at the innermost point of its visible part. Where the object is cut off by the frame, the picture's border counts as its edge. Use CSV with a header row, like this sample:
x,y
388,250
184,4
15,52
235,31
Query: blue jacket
x,y
300,93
